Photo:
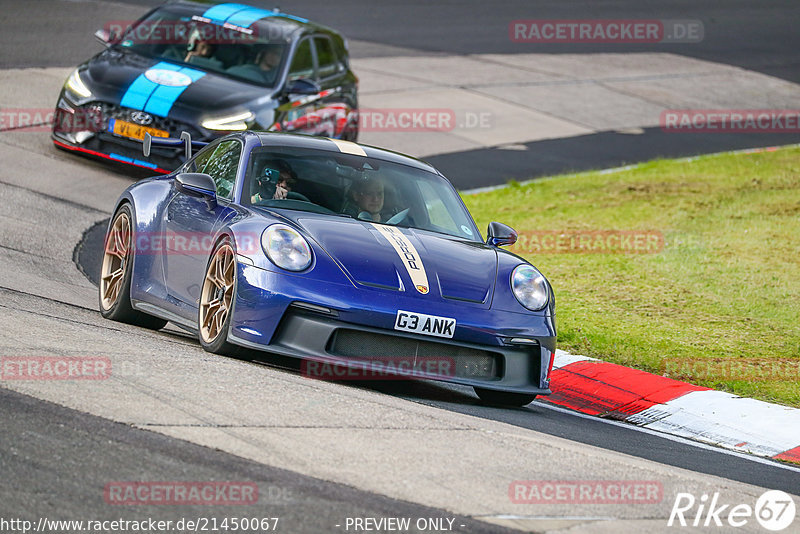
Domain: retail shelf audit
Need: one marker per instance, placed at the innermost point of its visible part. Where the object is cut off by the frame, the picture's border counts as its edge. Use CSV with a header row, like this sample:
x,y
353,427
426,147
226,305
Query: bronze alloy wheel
x,y
216,297
116,272
115,261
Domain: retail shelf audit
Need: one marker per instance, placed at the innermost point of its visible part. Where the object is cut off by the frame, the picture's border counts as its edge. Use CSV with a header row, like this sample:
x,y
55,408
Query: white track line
x,y
726,420
677,439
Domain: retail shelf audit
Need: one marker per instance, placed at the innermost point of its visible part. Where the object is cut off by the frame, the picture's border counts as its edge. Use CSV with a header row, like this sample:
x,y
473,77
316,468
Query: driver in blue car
x,y
366,200
275,182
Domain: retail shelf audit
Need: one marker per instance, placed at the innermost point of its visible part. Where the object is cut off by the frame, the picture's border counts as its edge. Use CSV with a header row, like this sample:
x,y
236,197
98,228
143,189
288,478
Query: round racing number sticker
x,y
169,78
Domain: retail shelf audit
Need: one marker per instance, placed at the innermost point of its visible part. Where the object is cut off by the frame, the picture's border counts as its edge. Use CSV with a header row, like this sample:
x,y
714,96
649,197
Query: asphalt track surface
x,y
43,476
746,33
58,457
753,35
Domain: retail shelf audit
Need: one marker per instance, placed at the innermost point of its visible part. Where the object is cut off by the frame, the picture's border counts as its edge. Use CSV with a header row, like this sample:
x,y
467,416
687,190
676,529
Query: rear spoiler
x,y
185,140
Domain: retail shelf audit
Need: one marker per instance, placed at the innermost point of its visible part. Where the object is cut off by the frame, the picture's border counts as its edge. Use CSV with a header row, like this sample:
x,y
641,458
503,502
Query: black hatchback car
x,y
208,70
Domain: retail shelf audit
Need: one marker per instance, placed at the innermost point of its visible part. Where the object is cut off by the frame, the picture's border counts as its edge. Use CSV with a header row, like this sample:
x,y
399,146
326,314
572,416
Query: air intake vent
x,y
460,362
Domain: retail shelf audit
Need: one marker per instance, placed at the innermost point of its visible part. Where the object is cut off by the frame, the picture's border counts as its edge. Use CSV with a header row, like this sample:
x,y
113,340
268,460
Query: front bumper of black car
x,y
88,129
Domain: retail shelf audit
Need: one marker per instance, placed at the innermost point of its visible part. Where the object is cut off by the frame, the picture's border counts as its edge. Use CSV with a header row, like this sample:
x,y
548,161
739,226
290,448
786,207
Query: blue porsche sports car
x,y
207,69
340,254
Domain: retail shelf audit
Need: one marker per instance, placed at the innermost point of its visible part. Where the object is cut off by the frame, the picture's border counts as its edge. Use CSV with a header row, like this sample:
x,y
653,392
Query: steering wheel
x,y
399,217
291,195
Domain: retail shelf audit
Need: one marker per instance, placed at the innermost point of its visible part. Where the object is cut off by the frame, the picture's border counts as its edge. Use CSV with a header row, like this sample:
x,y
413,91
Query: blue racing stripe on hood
x,y
164,96
138,92
242,15
247,17
220,13
144,94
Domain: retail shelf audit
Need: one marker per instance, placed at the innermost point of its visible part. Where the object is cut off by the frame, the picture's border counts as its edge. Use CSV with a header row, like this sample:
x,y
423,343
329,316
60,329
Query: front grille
x,y
112,111
461,362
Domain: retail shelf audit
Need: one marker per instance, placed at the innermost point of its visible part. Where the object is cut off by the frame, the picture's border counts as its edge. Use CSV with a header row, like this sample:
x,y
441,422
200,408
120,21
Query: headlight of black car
x,y
76,89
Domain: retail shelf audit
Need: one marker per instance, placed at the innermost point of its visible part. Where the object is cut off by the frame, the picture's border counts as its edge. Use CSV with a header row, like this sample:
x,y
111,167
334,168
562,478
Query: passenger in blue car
x,y
274,182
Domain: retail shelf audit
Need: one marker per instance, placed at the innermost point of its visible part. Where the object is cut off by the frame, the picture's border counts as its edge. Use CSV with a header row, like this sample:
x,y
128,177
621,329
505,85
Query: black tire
x,y
504,398
216,342
118,307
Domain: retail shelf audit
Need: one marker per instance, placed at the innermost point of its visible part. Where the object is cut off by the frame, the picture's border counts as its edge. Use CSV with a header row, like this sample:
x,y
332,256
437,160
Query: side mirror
x,y
499,234
302,86
104,37
197,184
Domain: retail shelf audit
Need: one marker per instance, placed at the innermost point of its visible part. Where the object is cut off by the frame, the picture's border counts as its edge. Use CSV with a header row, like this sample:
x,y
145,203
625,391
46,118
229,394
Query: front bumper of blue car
x,y
334,323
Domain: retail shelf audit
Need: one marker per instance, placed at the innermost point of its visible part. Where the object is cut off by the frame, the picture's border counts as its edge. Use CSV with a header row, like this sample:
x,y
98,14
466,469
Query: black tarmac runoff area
x,y
63,465
749,34
758,36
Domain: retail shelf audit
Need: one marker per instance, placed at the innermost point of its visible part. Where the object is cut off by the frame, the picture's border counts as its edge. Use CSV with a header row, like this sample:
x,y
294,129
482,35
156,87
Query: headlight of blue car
x,y
286,248
529,287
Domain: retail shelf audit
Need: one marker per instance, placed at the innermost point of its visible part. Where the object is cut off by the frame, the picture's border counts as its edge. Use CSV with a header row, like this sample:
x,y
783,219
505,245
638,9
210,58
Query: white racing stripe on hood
x,y
348,147
408,254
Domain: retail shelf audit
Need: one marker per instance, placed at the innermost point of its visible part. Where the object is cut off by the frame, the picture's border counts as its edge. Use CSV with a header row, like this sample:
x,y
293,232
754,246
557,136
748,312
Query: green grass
x,y
719,306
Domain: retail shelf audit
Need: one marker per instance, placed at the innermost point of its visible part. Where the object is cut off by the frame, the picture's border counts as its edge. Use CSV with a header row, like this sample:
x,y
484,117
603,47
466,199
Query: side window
x,y
326,57
302,63
221,165
198,162
437,211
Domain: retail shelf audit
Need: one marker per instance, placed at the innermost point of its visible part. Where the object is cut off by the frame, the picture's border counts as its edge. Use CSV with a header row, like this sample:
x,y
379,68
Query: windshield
x,y
255,53
355,186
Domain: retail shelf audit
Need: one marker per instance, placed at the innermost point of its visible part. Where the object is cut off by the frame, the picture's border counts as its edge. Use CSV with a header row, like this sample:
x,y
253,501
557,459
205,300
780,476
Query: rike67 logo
x,y
774,510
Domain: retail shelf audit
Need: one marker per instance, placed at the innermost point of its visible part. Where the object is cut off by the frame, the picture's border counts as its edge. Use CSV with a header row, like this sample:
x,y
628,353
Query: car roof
x,y
336,145
273,16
